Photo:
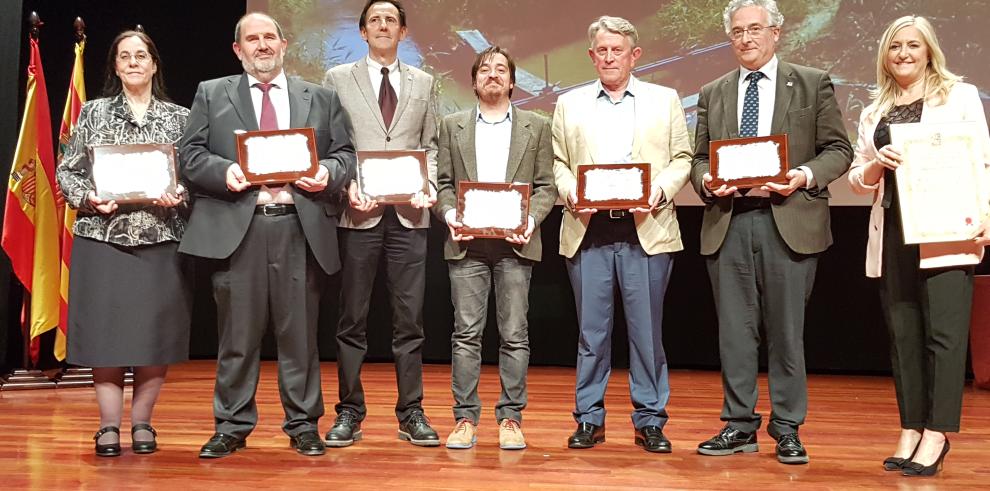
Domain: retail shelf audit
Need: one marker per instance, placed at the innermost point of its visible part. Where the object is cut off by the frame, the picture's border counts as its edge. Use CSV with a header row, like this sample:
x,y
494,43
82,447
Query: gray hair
x,y
616,25
237,28
773,13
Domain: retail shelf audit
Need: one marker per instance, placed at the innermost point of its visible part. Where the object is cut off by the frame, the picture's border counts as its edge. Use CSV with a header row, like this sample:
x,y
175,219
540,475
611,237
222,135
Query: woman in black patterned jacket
x,y
129,300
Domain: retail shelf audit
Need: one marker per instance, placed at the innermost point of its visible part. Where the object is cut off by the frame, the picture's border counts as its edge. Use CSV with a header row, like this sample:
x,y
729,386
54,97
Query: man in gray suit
x,y
392,107
493,143
270,247
763,246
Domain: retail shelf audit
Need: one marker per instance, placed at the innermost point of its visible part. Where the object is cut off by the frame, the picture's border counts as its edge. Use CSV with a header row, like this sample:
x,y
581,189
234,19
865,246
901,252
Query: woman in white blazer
x,y
925,290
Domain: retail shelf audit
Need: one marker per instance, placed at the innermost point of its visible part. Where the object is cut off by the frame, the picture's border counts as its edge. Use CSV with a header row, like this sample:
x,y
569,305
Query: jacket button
x,y
388,138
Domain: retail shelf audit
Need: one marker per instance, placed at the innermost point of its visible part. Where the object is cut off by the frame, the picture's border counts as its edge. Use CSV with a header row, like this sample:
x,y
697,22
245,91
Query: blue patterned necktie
x,y
751,107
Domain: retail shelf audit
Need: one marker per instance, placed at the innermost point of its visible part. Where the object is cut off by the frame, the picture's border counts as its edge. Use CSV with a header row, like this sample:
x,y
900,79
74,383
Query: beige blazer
x,y
414,127
963,104
661,140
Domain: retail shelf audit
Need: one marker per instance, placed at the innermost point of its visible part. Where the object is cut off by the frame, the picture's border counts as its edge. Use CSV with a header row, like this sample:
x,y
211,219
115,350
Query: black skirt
x,y
128,306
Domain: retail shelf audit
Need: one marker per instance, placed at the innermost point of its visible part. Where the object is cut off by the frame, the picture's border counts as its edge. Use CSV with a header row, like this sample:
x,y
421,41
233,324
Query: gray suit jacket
x,y
805,109
220,218
414,127
530,161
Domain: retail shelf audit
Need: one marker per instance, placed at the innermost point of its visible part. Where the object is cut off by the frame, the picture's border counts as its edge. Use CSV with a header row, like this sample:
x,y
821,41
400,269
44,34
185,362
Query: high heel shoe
x,y
146,446
914,469
897,463
109,449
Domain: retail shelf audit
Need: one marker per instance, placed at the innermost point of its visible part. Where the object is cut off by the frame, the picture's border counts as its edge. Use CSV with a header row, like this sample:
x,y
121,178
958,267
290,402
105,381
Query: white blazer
x,y
962,104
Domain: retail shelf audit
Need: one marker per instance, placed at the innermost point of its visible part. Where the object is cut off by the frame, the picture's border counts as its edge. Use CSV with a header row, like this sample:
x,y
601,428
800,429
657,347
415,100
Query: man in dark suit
x,y
392,106
762,246
493,143
271,247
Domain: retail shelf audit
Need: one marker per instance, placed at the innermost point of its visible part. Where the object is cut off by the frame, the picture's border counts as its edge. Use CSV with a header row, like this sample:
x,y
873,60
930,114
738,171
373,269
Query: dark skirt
x,y
128,306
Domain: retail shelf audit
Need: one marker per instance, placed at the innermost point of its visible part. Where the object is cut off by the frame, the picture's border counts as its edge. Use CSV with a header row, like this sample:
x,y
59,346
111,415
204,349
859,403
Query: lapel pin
x,y
790,84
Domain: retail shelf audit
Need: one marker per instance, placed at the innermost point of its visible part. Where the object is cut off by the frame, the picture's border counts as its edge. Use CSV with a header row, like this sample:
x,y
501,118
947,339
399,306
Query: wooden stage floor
x,y
45,440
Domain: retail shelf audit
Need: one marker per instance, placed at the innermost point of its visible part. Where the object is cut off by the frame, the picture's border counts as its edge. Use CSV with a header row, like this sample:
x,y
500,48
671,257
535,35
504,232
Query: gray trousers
x,y
756,279
470,284
271,279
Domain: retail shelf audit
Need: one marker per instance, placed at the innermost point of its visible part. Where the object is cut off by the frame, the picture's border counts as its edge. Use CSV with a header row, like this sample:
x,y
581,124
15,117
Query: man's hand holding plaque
x,y
740,163
277,157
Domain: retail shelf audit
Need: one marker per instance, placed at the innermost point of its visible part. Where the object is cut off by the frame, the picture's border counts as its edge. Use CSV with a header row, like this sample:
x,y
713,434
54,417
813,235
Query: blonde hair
x,y
938,79
616,25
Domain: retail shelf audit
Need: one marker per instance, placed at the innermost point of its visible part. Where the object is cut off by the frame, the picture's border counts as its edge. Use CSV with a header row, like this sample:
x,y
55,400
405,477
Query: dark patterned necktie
x,y
751,107
387,99
268,119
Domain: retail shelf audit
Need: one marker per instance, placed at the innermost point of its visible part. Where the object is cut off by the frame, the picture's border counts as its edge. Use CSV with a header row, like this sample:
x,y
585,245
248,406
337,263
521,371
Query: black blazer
x,y
220,218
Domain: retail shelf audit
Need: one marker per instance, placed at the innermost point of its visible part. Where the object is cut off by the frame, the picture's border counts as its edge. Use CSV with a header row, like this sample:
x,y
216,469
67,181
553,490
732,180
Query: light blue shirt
x,y
491,146
616,121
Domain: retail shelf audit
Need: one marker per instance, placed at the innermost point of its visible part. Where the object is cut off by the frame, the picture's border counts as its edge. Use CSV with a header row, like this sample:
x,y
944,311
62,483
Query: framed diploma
x,y
613,186
491,210
136,173
748,162
392,176
278,156
941,183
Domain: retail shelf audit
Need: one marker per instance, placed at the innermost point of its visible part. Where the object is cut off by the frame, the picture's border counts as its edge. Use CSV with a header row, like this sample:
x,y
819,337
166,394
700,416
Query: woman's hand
x,y
169,200
103,206
889,157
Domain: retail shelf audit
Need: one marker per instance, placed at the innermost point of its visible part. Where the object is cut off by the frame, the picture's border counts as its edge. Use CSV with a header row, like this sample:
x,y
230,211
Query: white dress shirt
x,y
767,87
491,146
375,72
616,124
279,95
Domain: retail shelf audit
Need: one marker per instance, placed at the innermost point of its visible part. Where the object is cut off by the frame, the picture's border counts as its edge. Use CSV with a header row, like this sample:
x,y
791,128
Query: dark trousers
x,y
927,312
405,269
470,284
758,280
271,279
611,257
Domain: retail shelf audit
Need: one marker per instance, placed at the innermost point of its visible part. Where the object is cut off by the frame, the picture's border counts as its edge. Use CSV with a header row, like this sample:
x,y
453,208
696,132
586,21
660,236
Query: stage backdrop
x,y
844,331
684,45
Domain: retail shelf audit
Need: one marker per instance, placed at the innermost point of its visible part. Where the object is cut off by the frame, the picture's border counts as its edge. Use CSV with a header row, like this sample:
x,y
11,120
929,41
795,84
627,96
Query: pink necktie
x,y
268,119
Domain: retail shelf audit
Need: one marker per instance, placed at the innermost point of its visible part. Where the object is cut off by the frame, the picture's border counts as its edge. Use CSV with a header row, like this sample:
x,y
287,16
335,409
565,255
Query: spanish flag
x,y
73,104
31,223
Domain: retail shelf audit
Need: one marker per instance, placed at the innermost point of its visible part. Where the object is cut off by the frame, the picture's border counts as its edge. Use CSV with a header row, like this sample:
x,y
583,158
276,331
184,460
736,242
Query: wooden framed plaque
x,y
277,156
493,210
134,173
613,186
392,176
748,162
941,184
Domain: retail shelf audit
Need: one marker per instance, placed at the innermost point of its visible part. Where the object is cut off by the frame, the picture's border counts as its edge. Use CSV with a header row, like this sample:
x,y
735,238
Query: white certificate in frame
x,y
941,184
133,173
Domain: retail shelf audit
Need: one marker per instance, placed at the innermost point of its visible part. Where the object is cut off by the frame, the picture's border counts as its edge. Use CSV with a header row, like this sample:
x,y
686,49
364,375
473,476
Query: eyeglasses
x,y
753,31
141,57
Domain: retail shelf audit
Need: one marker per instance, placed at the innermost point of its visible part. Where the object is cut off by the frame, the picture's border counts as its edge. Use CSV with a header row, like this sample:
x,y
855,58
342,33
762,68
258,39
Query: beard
x,y
257,66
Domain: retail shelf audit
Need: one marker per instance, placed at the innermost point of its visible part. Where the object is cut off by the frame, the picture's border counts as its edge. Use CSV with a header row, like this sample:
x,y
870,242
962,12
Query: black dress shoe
x,y
308,443
790,450
108,449
221,445
652,440
345,431
586,435
729,441
897,463
416,429
144,446
914,469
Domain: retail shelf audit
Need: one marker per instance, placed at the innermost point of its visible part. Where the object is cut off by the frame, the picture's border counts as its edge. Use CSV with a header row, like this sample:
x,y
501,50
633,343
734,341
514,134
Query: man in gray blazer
x,y
493,143
392,107
270,247
762,247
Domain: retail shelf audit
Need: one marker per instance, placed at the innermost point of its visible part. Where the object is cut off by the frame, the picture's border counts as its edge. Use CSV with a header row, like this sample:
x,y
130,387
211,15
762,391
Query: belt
x,y
614,214
749,203
275,210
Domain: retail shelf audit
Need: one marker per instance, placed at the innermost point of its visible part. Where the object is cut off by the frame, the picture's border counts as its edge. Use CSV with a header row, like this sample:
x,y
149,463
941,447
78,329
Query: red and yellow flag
x,y
31,223
73,104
